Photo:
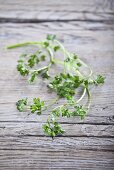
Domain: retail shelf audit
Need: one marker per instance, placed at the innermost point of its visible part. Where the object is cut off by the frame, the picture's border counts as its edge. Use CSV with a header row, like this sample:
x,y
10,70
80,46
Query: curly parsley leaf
x,y
65,85
99,80
51,37
37,106
52,129
80,111
33,60
21,68
21,104
56,48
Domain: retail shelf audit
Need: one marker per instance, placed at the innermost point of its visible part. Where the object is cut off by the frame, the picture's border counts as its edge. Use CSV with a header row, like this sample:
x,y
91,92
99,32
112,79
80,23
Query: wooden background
x,y
85,27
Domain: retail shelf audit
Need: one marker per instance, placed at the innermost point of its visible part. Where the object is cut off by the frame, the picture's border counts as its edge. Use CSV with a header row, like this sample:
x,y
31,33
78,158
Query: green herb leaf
x,y
33,60
52,129
80,111
23,71
51,37
79,64
33,77
46,44
42,58
21,104
37,106
56,48
99,80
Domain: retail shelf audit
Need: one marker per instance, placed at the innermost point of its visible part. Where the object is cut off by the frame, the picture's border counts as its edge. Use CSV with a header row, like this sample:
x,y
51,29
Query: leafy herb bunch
x,y
65,84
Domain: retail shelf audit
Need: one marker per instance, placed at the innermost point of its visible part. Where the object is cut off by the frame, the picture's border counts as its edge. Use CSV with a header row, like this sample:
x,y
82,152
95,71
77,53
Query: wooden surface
x,y
85,27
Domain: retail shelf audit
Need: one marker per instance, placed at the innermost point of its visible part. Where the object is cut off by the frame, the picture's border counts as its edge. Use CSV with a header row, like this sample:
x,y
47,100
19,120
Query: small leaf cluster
x,y
78,110
52,129
27,62
36,106
43,72
65,84
99,80
73,61
21,104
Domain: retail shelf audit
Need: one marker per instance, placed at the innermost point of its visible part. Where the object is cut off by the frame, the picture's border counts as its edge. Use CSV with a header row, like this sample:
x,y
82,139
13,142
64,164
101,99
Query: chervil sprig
x,y
64,84
21,104
35,107
52,127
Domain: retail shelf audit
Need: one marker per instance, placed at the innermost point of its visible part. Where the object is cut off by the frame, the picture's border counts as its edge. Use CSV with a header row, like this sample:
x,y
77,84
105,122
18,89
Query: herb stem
x,y
89,98
52,102
43,68
59,61
84,64
62,63
78,72
62,48
65,52
51,55
82,96
65,104
24,44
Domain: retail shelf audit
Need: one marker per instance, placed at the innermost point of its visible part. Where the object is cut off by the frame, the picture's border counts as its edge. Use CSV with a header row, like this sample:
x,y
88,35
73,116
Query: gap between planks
x,y
20,20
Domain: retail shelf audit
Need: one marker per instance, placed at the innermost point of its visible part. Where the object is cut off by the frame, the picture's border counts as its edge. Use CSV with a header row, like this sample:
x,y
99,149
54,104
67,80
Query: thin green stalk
x,y
65,104
41,69
38,70
68,55
62,63
59,61
51,55
23,44
52,102
89,98
63,49
84,64
78,72
82,96
64,52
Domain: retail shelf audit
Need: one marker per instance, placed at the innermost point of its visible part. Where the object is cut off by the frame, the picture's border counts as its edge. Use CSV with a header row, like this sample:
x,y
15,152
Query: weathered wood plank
x,y
33,159
35,129
96,51
22,142
76,36
60,147
35,11
87,145
59,143
91,118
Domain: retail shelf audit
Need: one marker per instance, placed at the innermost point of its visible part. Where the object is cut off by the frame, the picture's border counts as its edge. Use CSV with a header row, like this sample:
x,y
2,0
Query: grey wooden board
x,y
18,128
85,27
35,159
97,51
20,142
43,10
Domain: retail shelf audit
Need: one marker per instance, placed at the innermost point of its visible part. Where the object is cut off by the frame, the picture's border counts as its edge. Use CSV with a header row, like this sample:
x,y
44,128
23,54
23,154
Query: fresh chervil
x,y
65,84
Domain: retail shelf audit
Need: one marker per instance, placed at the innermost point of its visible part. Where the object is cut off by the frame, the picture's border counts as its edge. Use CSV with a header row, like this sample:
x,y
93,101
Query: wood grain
x,y
93,52
29,159
43,11
35,129
85,27
22,142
